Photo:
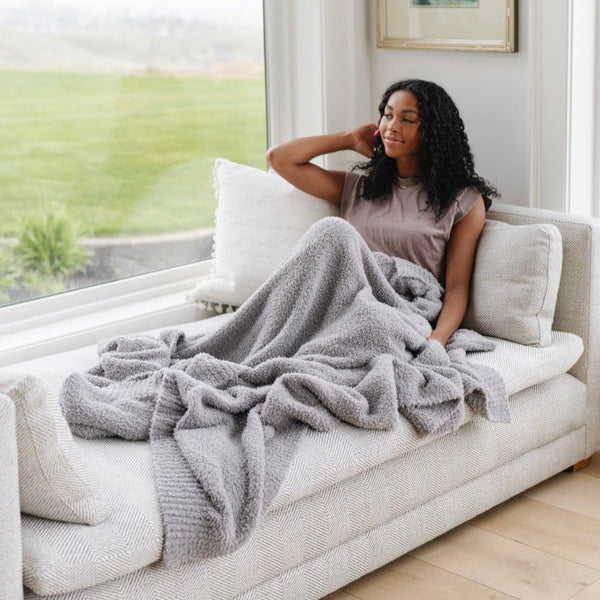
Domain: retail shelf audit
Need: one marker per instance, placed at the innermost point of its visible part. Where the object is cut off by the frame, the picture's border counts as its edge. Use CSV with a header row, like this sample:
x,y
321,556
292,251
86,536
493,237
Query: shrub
x,y
49,247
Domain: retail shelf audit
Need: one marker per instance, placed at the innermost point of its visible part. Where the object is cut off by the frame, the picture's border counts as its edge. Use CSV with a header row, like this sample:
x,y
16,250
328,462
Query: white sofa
x,y
352,500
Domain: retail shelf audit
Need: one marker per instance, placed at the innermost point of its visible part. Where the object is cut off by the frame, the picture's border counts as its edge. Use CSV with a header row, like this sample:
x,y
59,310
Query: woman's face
x,y
399,127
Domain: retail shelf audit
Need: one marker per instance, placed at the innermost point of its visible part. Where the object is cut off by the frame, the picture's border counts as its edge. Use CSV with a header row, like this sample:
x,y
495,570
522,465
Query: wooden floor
x,y
541,545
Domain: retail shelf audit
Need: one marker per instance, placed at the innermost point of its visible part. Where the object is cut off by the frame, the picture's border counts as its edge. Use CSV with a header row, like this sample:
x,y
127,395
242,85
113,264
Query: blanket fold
x,y
337,332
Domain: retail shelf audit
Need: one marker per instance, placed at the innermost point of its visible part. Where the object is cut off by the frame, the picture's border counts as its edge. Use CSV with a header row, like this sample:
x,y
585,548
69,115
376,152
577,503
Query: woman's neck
x,y
407,167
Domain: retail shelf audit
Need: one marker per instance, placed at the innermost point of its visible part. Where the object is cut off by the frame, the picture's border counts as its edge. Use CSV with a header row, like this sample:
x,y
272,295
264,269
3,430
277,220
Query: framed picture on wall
x,y
483,25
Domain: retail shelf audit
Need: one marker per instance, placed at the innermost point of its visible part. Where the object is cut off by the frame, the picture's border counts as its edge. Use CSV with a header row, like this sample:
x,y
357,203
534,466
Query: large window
x,y
112,113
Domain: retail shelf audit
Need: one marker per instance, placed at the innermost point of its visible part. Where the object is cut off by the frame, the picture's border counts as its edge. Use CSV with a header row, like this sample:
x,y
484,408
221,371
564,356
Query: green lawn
x,y
125,154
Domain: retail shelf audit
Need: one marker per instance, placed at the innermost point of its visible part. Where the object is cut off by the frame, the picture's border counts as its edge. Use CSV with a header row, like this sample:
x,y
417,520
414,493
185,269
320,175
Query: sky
x,y
242,12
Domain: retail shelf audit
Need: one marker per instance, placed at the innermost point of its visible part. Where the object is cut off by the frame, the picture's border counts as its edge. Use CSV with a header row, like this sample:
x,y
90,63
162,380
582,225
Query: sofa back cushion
x,y
515,282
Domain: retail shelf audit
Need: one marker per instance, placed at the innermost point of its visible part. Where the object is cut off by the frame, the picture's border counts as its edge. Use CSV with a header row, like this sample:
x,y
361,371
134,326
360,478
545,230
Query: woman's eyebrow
x,y
403,111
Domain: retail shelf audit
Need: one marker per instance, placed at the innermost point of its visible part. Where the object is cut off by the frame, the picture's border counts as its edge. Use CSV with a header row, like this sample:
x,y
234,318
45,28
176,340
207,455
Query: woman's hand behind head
x,y
363,139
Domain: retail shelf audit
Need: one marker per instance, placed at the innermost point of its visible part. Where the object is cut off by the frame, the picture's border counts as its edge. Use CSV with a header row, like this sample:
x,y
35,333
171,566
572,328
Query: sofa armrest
x,y
578,303
11,577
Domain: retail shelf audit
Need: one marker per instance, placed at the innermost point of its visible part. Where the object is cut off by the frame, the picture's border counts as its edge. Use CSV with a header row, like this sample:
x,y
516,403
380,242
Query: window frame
x,y
79,317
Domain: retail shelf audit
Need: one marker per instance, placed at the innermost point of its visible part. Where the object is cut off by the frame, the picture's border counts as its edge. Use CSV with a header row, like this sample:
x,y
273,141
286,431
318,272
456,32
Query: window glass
x,y
112,113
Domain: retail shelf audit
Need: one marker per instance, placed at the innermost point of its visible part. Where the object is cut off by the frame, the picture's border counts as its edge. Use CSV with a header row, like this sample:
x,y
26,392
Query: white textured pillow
x,y
55,482
515,282
260,218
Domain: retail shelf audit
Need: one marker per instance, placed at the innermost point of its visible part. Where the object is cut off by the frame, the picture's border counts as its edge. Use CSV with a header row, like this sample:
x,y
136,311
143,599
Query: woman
x,y
418,196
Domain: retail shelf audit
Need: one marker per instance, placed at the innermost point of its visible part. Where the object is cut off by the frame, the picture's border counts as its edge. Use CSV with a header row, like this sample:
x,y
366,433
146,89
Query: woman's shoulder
x,y
466,198
353,183
352,190
353,177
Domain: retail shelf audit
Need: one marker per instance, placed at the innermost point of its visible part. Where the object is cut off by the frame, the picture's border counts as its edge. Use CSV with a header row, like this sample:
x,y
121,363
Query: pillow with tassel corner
x,y
259,219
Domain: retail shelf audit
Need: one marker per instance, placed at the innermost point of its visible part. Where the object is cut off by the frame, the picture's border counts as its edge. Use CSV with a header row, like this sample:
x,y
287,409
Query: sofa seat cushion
x,y
523,366
326,459
520,366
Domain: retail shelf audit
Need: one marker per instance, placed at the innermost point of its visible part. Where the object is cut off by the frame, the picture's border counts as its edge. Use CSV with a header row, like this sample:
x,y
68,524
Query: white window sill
x,y
82,317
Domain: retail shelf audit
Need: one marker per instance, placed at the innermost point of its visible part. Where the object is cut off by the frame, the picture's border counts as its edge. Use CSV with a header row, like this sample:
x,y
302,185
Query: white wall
x,y
583,131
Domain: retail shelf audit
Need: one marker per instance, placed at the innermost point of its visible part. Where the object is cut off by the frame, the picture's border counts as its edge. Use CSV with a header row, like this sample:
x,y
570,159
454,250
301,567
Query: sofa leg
x,y
582,463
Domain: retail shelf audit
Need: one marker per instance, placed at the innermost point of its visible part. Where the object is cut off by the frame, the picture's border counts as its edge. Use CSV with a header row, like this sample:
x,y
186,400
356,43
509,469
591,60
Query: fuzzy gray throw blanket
x,y
337,332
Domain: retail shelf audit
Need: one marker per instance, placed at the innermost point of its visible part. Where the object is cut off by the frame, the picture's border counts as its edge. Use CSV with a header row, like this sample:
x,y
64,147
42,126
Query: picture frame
x,y
477,25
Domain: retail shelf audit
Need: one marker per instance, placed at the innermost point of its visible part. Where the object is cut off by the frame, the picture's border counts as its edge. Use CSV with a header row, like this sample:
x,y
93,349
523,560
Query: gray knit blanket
x,y
337,332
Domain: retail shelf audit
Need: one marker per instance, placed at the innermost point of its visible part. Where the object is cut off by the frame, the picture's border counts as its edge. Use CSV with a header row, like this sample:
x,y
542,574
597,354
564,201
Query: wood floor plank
x,y
414,579
506,565
546,527
591,592
576,492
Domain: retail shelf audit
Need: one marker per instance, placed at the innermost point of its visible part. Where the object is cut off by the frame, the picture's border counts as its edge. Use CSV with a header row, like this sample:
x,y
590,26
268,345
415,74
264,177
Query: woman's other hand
x,y
439,337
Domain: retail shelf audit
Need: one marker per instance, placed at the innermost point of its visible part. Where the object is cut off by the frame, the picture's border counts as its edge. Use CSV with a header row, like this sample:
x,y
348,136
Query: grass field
x,y
125,154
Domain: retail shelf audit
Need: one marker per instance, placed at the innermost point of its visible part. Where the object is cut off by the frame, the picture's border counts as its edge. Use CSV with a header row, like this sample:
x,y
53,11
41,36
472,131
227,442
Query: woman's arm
x,y
292,160
459,268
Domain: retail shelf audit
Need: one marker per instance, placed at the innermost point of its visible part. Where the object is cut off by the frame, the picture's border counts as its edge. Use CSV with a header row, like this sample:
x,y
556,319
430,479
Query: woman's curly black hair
x,y
446,163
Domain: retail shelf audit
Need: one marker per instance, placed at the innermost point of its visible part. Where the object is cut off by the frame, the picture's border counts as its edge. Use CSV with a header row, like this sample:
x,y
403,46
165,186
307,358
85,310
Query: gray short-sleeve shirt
x,y
403,225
